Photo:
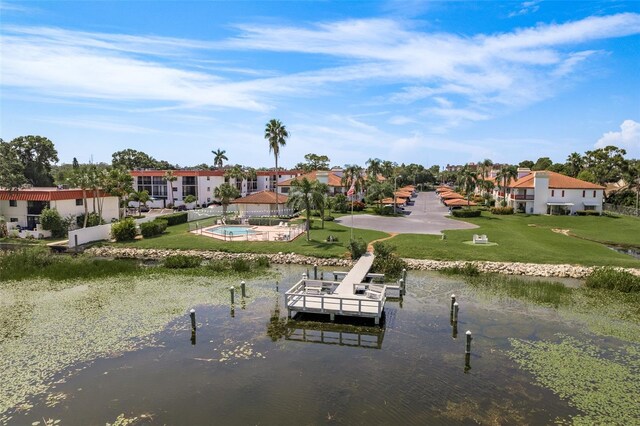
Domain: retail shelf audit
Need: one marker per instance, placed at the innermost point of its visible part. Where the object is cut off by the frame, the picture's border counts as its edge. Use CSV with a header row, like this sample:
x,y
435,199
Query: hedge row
x,y
175,218
502,210
587,213
465,213
153,228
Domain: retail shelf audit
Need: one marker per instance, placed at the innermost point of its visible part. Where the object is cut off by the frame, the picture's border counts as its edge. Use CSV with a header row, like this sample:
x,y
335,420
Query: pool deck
x,y
260,233
340,297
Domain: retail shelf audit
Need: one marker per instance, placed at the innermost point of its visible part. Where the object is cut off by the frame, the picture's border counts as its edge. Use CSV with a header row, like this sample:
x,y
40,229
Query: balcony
x,y
522,197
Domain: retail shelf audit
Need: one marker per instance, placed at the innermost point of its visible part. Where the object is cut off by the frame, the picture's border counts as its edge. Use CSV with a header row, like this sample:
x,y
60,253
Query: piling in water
x,y
232,291
242,288
468,345
192,314
453,300
455,312
315,272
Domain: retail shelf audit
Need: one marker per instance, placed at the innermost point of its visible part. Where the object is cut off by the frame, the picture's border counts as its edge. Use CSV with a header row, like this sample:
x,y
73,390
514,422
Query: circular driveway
x,y
425,216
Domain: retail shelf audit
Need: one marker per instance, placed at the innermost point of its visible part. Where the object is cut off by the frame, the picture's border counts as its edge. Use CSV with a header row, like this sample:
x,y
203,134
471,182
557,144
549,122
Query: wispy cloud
x,y
526,8
478,76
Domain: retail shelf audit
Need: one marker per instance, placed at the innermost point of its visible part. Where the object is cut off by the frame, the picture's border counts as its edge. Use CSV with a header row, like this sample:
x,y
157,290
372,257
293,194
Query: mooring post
x,y
401,290
232,290
454,330
453,300
322,275
192,314
75,241
242,289
455,312
404,274
468,346
315,272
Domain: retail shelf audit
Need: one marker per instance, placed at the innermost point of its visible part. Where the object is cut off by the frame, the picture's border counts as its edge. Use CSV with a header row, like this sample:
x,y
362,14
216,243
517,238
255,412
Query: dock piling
x,y
192,314
455,311
453,300
468,345
232,291
242,289
315,272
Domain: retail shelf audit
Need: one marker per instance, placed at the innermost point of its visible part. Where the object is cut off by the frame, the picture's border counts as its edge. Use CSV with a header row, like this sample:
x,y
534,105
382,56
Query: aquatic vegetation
x,y
613,279
179,261
602,383
539,292
468,270
72,322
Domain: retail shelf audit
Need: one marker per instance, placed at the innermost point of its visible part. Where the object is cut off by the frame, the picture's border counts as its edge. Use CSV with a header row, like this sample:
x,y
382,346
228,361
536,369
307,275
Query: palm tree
x,y
226,193
276,133
320,199
378,191
118,183
352,175
142,197
218,157
388,168
468,179
170,177
575,164
81,179
505,175
374,168
302,197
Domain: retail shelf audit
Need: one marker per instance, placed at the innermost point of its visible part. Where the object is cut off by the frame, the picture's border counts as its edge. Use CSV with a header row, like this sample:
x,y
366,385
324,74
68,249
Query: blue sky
x,y
407,81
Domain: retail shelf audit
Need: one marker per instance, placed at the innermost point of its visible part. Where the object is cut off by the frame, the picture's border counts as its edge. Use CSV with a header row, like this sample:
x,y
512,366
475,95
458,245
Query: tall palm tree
x,y
388,168
374,168
81,179
302,197
170,177
118,183
378,191
505,175
468,179
218,157
276,133
142,197
226,193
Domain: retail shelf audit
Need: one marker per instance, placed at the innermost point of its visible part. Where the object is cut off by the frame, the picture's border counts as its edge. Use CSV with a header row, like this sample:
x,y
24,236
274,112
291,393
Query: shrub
x,y
175,218
502,210
383,211
125,230
329,218
357,206
466,213
331,239
387,262
587,213
51,220
357,248
232,221
340,203
93,219
181,261
613,279
153,228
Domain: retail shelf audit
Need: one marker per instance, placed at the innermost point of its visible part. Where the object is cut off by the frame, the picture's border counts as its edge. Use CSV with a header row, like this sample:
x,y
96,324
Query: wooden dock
x,y
349,297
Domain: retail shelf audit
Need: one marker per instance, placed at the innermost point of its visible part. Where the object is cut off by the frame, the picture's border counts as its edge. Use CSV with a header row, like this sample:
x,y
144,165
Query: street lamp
x,y
395,186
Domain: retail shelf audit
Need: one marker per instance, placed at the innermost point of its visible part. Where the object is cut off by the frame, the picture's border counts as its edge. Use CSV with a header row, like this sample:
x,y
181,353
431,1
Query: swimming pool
x,y
231,230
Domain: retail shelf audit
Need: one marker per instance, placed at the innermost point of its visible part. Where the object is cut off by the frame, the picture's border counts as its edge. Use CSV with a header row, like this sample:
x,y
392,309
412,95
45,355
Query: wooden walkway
x,y
339,298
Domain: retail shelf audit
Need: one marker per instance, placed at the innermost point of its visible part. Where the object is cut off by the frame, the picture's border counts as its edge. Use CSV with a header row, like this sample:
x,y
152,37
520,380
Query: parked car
x,y
144,209
399,209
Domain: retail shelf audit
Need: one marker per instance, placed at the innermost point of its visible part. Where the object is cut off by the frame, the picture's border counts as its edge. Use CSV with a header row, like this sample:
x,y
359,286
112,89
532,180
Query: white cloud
x,y
628,138
526,8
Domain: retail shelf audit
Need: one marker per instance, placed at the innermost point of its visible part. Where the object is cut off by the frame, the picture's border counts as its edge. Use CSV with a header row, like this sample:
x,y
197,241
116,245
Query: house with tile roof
x,y
331,178
23,207
546,192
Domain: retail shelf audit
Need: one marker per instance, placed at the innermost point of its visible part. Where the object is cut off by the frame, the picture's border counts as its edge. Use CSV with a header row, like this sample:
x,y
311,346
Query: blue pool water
x,y
231,230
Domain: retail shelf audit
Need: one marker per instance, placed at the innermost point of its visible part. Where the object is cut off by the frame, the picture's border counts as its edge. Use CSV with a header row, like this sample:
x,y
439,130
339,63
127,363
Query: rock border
x,y
509,268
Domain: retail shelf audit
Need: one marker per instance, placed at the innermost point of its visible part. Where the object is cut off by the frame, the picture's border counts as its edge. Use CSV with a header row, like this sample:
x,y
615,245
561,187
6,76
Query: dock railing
x,y
297,299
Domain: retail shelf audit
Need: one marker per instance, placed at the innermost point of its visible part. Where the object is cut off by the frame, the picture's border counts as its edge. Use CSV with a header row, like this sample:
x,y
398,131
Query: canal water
x,y
250,366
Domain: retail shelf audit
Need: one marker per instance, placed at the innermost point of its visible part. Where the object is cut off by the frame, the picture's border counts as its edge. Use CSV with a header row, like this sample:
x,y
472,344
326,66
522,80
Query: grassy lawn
x,y
178,237
522,238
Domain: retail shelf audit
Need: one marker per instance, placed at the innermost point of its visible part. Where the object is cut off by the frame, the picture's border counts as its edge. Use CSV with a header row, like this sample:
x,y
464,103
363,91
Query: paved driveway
x,y
426,216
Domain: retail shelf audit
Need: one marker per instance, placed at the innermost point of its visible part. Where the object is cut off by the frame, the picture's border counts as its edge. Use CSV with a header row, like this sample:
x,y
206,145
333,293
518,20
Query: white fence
x,y
87,235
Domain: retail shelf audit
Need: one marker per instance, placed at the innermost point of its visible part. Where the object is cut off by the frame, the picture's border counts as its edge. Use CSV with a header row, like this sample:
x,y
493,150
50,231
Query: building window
x,y
252,185
208,189
79,202
36,207
13,219
208,177
553,192
13,203
189,186
584,193
589,207
594,194
563,193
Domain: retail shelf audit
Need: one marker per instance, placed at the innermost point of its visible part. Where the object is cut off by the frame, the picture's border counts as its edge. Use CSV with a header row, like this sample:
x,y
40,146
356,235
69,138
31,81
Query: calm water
x,y
251,368
228,230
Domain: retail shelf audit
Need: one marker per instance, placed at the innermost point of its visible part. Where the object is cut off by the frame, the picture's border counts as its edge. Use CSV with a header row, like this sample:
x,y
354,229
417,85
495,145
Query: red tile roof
x,y
45,194
262,197
556,181
333,179
458,202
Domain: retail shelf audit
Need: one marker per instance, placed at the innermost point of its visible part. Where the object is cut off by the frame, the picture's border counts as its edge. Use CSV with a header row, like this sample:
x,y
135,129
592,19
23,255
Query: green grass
x,y
178,237
523,238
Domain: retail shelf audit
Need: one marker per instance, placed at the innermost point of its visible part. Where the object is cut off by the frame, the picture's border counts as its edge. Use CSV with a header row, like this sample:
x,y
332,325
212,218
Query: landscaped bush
x,y
175,218
613,279
93,219
587,213
51,220
465,213
329,218
181,261
358,206
232,221
383,211
153,228
357,248
340,203
125,230
502,210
